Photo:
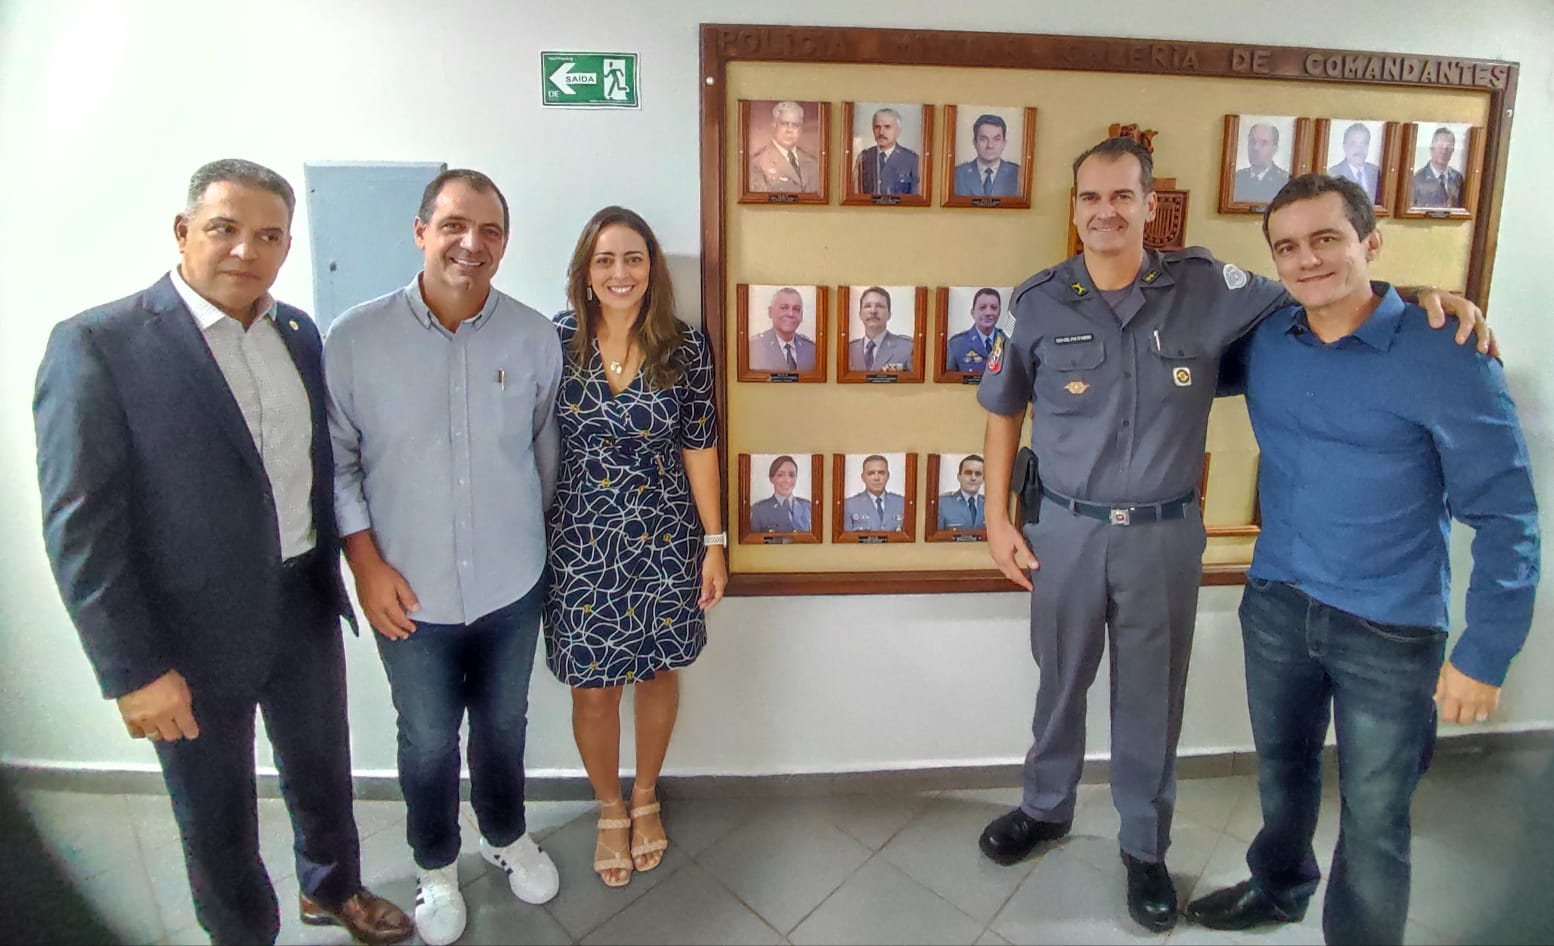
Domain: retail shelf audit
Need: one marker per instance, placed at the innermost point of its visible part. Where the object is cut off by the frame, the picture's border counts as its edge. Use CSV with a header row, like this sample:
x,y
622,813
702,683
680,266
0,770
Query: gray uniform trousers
x,y
1132,590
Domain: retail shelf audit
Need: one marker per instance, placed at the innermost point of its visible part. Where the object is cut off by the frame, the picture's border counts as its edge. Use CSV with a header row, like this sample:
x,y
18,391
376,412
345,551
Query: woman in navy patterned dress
x,y
636,543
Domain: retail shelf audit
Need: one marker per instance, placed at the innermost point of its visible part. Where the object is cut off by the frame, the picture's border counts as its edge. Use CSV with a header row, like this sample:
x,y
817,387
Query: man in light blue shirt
x,y
1375,432
441,411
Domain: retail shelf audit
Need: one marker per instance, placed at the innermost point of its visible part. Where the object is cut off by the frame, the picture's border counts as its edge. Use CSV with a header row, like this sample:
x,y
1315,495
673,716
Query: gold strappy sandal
x,y
642,848
611,857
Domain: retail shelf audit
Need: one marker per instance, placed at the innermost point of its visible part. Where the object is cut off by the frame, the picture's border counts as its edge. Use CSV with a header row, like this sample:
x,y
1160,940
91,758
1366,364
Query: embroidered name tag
x,y
1073,339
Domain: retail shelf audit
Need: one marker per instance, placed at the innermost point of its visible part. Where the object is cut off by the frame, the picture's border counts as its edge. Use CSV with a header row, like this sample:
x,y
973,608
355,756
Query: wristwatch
x,y
715,538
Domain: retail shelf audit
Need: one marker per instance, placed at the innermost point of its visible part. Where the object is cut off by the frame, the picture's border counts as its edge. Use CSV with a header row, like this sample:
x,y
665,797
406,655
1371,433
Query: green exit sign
x,y
589,80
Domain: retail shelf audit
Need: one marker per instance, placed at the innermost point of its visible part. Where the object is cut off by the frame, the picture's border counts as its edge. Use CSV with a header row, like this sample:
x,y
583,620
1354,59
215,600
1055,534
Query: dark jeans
x,y
212,784
1306,661
435,675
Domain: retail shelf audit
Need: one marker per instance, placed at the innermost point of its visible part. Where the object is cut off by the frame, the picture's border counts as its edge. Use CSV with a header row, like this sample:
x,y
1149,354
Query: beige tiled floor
x,y
894,868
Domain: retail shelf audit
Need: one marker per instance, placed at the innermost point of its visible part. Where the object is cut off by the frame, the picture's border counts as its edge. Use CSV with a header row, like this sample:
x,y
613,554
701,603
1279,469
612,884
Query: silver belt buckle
x,y
1122,517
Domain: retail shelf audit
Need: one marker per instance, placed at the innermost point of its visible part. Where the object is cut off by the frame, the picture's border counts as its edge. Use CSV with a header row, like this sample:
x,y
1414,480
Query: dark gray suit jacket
x,y
157,513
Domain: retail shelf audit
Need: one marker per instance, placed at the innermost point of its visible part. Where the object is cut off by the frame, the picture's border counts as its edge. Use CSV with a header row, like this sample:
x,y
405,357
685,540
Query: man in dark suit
x,y
186,475
1257,183
888,167
988,175
1354,167
1438,184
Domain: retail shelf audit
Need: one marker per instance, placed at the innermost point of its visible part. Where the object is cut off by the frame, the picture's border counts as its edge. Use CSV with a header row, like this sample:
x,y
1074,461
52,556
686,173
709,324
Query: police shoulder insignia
x,y
1079,288
1235,276
995,358
1154,274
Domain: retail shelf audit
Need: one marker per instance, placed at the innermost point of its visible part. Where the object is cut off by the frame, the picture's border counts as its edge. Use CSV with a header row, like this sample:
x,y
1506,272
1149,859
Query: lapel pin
x,y
292,323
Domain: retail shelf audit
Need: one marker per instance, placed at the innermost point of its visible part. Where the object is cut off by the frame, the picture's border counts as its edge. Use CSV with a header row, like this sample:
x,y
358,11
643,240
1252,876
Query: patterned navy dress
x,y
625,547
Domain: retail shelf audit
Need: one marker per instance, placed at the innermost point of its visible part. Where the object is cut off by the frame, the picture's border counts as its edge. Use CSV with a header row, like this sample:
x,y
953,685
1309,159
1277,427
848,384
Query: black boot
x,y
1151,894
1011,838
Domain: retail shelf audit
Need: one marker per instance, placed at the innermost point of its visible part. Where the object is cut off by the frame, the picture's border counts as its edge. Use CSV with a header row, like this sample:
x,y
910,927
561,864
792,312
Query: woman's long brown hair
x,y
657,332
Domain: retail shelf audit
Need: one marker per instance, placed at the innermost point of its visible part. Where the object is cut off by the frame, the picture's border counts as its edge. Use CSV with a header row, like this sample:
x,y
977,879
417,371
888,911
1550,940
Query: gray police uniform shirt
x,y
771,515
892,352
1121,399
861,514
767,354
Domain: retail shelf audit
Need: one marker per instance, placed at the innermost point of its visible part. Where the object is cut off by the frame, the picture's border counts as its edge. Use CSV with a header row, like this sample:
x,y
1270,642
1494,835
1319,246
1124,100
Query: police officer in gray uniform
x,y
1118,350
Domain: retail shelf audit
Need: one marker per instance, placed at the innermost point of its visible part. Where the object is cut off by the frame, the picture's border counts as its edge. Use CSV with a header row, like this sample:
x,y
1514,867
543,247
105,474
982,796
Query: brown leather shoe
x,y
369,918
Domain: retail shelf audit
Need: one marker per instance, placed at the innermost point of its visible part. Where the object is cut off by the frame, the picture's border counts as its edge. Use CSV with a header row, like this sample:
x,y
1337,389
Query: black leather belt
x,y
1126,515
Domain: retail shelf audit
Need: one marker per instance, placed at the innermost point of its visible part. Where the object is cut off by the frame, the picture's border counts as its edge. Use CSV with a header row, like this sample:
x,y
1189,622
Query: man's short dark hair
x,y
875,456
989,120
1357,203
1114,148
881,291
238,171
961,468
476,180
986,291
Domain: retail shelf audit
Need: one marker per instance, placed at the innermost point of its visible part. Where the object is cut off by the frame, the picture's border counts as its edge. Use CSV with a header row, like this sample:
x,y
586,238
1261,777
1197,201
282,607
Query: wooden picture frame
x,y
840,495
748,60
757,350
1385,152
748,535
1472,171
912,373
1297,161
933,529
1021,198
946,318
766,178
856,183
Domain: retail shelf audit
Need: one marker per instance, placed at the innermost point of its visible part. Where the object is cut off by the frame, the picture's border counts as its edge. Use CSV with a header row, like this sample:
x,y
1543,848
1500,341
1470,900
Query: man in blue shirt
x,y
1364,463
442,416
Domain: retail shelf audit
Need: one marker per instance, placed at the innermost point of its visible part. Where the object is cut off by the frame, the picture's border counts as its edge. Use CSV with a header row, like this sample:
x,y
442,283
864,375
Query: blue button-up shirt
x,y
1370,444
446,445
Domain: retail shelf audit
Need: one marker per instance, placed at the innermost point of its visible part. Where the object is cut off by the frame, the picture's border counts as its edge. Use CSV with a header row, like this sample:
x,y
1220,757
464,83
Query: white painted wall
x,y
106,106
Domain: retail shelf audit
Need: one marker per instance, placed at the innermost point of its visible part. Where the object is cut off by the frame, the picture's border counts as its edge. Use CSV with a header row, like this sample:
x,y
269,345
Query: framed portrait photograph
x,y
988,156
781,496
957,503
880,339
1361,150
1261,154
781,335
886,158
1442,163
972,320
784,151
875,497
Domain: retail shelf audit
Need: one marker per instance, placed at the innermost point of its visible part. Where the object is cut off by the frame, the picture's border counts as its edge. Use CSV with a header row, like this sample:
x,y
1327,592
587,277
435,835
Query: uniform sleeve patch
x,y
995,358
1235,276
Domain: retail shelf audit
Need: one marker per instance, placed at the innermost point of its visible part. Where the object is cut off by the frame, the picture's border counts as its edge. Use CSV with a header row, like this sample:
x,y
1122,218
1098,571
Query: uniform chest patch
x,y
1073,339
1182,377
1076,388
995,358
1235,276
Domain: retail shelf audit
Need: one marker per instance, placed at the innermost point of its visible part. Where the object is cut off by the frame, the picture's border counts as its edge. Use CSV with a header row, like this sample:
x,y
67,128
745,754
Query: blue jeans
x,y
1306,661
436,674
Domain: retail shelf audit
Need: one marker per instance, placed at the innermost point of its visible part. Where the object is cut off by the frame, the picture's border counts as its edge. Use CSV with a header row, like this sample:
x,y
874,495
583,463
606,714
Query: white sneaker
x,y
530,871
439,907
